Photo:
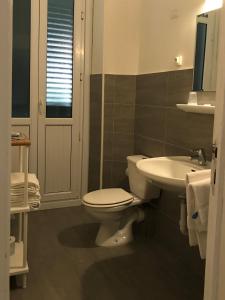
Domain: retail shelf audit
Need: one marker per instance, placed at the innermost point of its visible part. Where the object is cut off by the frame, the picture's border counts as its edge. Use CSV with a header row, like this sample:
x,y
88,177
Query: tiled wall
x,y
95,132
160,128
140,116
119,117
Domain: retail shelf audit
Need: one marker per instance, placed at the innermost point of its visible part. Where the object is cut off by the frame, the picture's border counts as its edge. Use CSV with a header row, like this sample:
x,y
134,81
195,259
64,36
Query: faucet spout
x,y
199,154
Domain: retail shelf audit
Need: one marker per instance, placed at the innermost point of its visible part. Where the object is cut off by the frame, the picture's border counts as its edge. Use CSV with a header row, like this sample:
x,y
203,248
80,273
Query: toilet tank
x,y
139,186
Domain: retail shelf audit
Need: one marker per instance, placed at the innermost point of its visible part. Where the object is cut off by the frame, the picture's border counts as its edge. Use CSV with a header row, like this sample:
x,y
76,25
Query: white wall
x,y
121,36
143,36
5,111
116,29
98,37
167,30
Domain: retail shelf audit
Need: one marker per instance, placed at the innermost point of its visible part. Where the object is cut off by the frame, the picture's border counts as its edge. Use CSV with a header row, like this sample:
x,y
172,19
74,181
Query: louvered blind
x,y
60,57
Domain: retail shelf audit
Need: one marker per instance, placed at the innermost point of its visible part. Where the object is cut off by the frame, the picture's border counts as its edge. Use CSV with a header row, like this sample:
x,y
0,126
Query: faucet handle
x,y
200,155
195,152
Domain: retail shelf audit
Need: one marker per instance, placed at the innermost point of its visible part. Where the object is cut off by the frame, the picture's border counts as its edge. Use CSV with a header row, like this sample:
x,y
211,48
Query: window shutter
x,y
59,55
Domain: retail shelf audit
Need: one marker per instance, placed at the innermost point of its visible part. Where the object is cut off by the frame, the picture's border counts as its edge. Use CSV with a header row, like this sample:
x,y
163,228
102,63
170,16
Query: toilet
x,y
117,210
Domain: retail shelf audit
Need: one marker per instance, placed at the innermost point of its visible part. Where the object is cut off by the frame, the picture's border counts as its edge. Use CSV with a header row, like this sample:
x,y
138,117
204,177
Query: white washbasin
x,y
169,172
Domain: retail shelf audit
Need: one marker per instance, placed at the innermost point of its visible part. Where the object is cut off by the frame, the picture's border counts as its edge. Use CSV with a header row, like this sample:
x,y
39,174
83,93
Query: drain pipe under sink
x,y
183,214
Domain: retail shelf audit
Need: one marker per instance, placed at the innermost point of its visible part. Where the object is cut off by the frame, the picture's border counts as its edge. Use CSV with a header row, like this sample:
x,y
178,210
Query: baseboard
x,y
60,204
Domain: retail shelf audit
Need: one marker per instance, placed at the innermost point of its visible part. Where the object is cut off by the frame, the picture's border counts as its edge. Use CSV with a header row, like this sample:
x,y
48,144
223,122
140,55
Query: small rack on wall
x,y
18,260
197,109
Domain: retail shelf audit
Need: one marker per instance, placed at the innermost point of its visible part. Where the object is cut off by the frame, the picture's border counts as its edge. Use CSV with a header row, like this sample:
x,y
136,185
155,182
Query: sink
x,y
169,173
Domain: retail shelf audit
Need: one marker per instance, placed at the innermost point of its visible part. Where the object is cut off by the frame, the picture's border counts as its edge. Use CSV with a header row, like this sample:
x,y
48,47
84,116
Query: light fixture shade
x,y
212,5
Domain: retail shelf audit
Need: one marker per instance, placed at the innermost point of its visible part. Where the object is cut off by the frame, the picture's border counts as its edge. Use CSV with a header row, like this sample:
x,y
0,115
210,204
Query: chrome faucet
x,y
199,154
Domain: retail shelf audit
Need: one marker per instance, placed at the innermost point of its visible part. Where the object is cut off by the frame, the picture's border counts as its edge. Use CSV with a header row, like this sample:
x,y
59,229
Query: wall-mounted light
x,y
212,4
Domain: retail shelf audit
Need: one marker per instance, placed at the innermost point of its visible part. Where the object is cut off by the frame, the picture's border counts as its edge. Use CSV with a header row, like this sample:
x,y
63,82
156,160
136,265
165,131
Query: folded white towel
x,y
33,201
20,198
34,205
20,192
197,194
17,180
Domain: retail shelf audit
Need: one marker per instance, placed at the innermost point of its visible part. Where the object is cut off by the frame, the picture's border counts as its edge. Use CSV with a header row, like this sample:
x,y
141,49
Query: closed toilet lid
x,y
108,197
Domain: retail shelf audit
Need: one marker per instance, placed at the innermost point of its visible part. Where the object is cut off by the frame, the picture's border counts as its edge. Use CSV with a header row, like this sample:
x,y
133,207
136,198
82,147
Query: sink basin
x,y
169,173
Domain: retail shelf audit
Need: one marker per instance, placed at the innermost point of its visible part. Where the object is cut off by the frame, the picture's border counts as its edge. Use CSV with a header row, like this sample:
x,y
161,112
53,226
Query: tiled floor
x,y
65,264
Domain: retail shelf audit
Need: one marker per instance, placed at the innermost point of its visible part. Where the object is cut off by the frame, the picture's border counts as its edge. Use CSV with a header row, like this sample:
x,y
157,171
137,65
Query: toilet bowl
x,y
117,210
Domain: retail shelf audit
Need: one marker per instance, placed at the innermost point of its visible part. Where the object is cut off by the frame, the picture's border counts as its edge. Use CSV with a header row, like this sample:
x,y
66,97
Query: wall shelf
x,y
198,109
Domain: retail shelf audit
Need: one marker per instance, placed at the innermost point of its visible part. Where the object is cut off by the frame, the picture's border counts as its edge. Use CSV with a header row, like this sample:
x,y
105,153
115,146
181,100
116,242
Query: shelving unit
x,y
18,261
17,265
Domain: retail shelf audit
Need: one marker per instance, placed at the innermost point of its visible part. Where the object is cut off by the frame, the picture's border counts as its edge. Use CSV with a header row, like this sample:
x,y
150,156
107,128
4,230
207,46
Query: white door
x,y
60,99
5,100
215,262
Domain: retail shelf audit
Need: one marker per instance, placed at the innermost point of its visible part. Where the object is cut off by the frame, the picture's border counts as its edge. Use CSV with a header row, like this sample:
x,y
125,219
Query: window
x,y
21,59
59,95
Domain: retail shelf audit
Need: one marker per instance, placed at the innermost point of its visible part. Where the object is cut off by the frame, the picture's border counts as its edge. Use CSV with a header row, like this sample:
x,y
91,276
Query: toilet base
x,y
118,233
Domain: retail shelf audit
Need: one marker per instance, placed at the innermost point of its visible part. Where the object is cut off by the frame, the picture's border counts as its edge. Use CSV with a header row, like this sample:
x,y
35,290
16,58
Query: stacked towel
x,y
17,190
197,193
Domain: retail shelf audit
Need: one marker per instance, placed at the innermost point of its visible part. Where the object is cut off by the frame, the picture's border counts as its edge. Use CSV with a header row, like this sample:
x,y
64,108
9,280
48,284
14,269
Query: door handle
x,y
214,165
214,151
40,107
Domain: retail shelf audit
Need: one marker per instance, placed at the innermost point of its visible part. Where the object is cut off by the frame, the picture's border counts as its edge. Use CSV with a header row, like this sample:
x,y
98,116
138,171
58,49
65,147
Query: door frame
x,y
71,196
88,36
215,260
5,130
85,62
32,122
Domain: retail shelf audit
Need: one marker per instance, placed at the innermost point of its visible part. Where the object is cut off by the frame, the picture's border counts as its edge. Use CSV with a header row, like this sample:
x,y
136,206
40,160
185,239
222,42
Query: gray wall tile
x,y
95,131
151,89
179,84
148,146
108,117
125,89
110,88
189,130
150,122
108,146
119,119
108,181
123,145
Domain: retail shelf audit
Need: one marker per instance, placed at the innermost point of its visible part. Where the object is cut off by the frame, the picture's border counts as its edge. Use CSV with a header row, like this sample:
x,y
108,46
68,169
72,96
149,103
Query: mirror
x,y
206,51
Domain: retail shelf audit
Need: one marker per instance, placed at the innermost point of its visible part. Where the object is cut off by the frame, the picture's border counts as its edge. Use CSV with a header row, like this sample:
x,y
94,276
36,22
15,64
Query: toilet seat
x,y
107,198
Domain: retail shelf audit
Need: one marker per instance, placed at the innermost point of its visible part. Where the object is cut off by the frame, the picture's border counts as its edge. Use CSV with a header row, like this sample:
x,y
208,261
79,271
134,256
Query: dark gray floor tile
x,y
65,264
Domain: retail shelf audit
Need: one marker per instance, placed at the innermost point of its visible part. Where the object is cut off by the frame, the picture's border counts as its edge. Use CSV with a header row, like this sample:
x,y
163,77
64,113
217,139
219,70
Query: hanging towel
x,y
197,194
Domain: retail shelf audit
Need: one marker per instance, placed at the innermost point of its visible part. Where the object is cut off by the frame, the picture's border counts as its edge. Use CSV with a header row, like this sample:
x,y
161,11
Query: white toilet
x,y
117,209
